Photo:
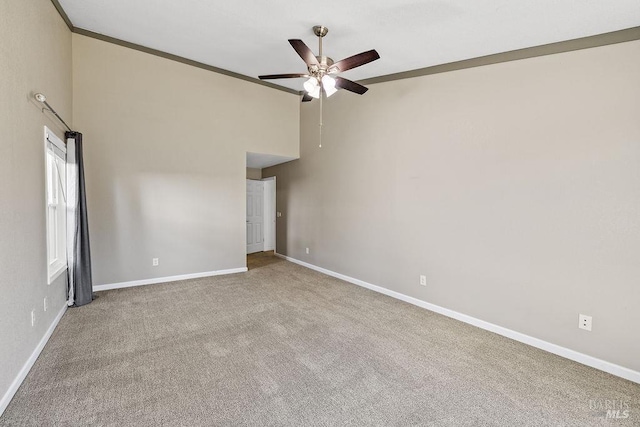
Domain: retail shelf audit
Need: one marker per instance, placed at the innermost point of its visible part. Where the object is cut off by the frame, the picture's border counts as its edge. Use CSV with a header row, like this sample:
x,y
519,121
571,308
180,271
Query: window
x,y
55,172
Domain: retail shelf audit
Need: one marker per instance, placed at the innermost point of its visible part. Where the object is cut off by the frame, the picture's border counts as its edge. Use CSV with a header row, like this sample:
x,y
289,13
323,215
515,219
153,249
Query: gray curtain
x,y
78,251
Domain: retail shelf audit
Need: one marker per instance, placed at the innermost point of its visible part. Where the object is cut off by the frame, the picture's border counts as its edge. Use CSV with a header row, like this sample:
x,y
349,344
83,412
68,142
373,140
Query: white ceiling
x,y
250,37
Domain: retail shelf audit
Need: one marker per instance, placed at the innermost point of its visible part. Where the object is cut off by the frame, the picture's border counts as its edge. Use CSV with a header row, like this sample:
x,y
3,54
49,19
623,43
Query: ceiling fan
x,y
322,71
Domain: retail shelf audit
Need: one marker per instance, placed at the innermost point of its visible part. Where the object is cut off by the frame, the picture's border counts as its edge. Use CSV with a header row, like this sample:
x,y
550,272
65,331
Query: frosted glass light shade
x,y
315,93
329,85
312,87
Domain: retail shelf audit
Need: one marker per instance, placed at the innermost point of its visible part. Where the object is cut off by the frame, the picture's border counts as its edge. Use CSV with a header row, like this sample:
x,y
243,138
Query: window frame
x,y
55,205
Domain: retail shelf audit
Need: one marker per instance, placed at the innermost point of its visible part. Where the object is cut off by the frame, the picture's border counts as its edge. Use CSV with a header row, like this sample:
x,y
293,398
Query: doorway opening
x,y
261,215
261,205
261,222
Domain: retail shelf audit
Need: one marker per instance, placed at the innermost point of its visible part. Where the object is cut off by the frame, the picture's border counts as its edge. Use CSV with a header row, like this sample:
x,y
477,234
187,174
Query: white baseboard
x,y
119,285
13,388
603,365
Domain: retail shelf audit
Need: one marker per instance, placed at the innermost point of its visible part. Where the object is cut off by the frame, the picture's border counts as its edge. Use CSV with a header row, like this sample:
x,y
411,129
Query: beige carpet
x,y
261,259
284,345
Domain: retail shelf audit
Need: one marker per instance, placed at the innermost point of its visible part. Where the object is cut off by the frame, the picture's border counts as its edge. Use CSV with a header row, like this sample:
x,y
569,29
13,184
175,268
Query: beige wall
x,y
515,188
35,56
254,173
165,151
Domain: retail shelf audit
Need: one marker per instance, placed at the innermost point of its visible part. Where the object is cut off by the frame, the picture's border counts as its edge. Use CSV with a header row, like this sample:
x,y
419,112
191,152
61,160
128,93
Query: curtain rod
x,y
43,100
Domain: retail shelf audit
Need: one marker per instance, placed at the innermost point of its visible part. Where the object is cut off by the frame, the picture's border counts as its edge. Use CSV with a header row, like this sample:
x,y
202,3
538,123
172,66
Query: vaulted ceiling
x,y
250,37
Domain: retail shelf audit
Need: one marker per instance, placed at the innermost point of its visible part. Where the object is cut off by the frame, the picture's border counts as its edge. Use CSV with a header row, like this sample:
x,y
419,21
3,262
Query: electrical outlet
x,y
45,304
307,250
423,280
33,317
584,322
155,262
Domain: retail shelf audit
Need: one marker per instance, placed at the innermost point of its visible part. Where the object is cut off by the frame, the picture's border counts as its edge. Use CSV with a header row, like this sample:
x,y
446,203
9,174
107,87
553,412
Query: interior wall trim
x,y
621,36
603,365
165,55
63,14
119,285
15,385
180,59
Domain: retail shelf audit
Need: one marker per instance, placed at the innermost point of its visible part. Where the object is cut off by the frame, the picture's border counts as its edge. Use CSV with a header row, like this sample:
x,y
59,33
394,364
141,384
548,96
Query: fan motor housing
x,y
325,63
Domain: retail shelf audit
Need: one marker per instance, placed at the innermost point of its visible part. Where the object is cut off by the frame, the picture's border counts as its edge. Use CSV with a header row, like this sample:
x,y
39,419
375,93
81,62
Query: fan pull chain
x,y
320,127
321,90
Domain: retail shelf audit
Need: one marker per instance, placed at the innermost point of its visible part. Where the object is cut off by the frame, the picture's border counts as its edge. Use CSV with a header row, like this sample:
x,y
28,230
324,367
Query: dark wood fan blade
x,y
343,83
355,61
305,53
281,76
306,97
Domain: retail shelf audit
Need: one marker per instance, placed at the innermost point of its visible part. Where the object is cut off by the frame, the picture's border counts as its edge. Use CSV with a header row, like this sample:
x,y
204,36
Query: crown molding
x,y
621,36
180,59
63,14
165,55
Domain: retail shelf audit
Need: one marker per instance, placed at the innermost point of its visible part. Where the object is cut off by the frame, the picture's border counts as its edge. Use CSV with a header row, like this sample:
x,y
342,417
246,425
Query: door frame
x,y
269,212
261,244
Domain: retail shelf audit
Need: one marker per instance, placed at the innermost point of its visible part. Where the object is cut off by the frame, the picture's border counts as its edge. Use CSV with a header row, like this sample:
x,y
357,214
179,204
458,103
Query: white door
x,y
269,214
255,216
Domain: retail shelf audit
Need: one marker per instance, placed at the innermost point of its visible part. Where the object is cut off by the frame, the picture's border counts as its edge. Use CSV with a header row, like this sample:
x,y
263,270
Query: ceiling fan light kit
x,y
312,87
322,70
329,85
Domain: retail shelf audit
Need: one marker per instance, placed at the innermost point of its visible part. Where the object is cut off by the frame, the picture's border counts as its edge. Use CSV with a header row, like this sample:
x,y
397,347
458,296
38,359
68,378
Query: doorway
x,y
269,213
261,215
255,216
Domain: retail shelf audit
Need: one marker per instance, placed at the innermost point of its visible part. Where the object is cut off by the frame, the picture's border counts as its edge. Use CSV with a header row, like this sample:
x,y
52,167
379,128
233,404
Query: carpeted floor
x,y
285,345
261,259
